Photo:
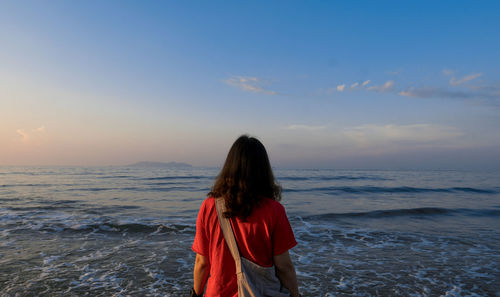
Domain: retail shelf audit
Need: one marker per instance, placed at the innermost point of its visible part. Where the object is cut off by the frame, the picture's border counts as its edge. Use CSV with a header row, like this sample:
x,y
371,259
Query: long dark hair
x,y
246,178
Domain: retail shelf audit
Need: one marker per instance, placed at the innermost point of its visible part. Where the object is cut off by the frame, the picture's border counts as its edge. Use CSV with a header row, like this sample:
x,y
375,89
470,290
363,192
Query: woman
x,y
259,222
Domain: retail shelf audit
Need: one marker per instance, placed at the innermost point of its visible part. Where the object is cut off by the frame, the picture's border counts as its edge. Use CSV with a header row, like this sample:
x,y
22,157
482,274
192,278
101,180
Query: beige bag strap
x,y
228,232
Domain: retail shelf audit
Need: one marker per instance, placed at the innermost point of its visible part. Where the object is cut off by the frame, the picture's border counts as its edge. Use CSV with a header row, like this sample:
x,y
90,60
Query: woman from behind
x,y
261,228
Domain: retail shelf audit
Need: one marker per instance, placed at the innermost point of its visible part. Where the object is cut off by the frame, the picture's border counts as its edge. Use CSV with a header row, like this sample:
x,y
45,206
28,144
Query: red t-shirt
x,y
265,233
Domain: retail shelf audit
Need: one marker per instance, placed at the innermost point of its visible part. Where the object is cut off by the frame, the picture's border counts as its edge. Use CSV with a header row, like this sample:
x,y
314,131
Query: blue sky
x,y
353,84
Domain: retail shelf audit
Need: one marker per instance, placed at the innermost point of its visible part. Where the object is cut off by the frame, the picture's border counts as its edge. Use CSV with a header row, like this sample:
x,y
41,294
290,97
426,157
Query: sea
x,y
128,231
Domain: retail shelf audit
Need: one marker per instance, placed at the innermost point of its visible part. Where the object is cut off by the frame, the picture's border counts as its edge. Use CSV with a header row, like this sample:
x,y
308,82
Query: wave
x,y
116,176
112,228
44,220
170,177
175,177
169,189
414,212
26,185
370,189
134,228
139,189
330,178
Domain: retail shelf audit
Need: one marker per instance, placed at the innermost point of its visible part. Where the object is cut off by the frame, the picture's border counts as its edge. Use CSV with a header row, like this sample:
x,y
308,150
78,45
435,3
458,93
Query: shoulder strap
x,y
228,232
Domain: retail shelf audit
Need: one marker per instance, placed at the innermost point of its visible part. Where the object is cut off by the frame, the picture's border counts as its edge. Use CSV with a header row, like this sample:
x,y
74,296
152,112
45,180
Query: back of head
x,y
245,178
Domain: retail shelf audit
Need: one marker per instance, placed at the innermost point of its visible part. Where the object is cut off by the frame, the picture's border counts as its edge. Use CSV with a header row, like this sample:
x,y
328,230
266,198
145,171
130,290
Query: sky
x,y
323,84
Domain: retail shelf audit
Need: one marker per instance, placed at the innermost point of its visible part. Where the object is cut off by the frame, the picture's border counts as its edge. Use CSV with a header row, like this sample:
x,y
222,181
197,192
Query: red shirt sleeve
x,y
201,244
283,238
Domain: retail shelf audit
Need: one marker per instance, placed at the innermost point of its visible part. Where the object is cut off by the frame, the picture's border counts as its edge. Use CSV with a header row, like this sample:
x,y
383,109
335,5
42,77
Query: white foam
x,y
78,226
342,284
305,259
50,259
108,228
7,243
93,256
352,250
456,291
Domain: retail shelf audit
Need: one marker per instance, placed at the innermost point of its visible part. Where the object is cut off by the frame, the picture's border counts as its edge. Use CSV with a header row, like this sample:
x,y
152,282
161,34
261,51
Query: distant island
x,y
161,164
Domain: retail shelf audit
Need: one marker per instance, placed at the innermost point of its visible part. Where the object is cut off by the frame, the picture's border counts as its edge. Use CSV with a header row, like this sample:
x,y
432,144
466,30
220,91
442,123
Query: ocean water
x,y
127,231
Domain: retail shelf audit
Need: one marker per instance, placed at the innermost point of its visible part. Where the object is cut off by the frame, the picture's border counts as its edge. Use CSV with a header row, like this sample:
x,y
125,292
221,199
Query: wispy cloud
x,y
464,80
466,88
433,92
249,84
26,136
489,94
40,129
415,133
493,88
304,127
387,87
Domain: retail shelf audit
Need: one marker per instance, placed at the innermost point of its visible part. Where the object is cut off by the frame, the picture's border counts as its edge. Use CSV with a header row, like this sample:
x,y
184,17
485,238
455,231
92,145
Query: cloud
x,y
249,84
483,93
24,135
296,127
388,86
27,136
415,133
39,129
465,79
432,92
492,89
465,88
342,87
